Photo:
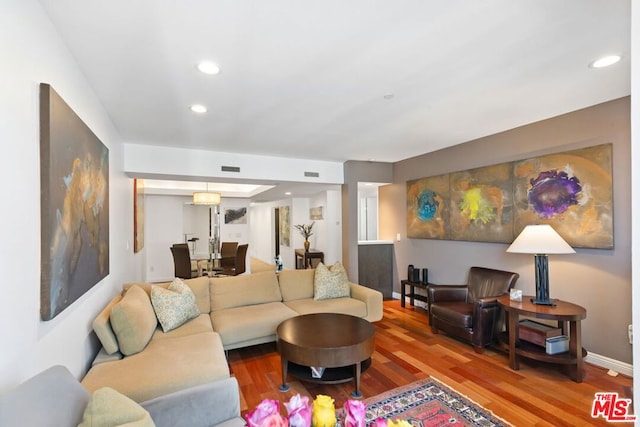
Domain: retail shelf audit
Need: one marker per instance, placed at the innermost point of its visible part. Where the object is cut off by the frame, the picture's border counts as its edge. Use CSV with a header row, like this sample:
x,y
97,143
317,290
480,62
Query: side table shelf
x,y
536,352
412,292
568,317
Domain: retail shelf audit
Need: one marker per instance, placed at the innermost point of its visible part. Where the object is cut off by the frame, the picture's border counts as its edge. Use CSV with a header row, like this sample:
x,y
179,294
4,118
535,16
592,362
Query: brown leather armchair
x,y
470,312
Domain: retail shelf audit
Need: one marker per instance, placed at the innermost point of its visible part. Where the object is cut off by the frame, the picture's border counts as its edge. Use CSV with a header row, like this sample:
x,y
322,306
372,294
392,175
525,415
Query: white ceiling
x,y
308,79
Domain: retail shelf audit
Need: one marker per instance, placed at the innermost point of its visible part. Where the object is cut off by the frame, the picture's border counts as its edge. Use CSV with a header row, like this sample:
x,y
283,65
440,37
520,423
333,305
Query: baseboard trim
x,y
611,364
396,295
592,358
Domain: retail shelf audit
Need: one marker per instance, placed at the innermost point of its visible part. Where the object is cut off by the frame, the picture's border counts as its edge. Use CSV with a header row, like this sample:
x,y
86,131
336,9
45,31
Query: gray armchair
x,y
470,312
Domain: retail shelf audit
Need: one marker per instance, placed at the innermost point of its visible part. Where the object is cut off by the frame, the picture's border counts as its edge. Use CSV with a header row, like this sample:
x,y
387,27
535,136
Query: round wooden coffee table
x,y
339,343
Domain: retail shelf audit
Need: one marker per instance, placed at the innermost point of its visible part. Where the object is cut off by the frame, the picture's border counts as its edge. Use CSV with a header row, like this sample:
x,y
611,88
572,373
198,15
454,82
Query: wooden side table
x,y
304,259
567,315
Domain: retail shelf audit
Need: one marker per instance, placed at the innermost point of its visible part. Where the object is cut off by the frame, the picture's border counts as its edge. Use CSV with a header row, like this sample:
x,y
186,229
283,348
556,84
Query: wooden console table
x,y
412,292
304,259
567,315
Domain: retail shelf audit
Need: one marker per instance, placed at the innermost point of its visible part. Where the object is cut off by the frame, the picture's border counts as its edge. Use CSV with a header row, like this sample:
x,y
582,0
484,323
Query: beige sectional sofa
x,y
235,312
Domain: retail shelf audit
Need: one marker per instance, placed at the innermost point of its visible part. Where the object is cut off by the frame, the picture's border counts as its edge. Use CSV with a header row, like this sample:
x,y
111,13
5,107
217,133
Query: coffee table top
x,y
325,339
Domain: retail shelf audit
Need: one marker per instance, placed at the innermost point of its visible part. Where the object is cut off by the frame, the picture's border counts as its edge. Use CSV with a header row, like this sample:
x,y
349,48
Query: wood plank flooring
x,y
406,350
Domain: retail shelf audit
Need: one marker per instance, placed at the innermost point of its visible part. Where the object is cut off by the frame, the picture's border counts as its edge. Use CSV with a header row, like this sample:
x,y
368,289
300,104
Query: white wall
x,y
32,52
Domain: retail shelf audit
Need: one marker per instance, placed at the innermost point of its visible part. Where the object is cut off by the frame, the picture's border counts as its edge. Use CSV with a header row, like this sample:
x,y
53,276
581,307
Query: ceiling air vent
x,y
230,169
312,174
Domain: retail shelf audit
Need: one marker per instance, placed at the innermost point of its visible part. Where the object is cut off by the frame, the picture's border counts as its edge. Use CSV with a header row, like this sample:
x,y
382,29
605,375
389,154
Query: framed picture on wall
x,y
315,214
138,215
235,216
74,185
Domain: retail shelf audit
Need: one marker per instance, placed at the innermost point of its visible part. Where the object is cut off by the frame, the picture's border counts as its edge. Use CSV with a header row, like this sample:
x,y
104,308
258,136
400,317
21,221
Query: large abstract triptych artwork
x,y
74,182
571,191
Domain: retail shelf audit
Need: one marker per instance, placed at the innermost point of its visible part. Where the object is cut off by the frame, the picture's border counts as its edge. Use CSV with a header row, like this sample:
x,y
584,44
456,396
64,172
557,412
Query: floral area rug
x,y
428,402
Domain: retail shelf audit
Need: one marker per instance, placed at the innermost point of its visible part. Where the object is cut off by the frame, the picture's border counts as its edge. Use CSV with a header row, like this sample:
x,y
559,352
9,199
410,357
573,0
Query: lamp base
x,y
543,302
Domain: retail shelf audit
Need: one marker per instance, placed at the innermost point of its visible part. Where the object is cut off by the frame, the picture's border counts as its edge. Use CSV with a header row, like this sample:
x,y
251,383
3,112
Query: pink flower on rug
x,y
299,411
324,412
259,415
355,413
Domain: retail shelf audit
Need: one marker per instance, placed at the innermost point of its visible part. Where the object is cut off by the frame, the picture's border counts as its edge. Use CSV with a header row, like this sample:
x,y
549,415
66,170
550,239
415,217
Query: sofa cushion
x,y
175,305
108,408
241,324
244,290
102,327
350,306
296,284
330,282
133,321
200,324
199,286
165,366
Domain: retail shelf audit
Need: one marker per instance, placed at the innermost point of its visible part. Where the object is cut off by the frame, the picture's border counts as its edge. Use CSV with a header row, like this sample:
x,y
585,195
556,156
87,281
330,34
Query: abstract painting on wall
x,y
571,191
74,183
138,215
235,216
428,208
315,214
482,204
285,226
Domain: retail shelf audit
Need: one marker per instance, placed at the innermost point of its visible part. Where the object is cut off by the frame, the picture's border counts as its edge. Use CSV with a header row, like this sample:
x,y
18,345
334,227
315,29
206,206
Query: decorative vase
x,y
306,245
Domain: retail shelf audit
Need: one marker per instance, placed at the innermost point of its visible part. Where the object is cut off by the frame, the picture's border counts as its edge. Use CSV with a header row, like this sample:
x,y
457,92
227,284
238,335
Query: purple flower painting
x,y
553,192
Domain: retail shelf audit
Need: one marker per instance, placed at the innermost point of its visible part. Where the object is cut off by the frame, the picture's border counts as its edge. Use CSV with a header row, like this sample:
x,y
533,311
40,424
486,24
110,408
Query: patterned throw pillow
x,y
175,305
330,282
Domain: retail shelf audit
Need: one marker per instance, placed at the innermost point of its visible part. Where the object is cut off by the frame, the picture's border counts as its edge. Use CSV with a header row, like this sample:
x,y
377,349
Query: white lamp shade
x,y
206,198
540,239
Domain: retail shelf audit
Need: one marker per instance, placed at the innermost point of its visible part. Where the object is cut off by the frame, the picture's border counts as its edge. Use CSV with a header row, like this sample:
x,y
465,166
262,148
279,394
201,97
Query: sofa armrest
x,y
200,406
52,398
371,297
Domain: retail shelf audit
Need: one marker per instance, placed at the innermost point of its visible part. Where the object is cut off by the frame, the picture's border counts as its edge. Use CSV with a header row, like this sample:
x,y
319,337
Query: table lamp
x,y
540,240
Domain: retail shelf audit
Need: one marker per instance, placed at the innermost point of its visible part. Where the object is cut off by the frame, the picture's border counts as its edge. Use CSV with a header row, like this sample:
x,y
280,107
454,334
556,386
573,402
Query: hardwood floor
x,y
406,350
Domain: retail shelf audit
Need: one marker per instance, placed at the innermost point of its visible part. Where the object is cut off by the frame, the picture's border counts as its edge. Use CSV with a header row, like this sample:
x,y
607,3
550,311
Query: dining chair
x,y
228,252
182,265
240,262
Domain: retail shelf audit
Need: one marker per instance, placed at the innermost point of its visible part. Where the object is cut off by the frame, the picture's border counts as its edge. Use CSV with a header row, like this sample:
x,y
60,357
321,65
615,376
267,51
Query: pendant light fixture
x,y
206,197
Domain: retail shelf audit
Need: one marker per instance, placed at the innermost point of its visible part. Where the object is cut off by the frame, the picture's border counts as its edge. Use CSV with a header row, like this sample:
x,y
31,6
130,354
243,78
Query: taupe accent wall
x,y
599,280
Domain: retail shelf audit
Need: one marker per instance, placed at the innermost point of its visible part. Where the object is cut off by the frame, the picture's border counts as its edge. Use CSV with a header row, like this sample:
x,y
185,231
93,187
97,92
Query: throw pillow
x,y
108,408
174,305
133,321
330,282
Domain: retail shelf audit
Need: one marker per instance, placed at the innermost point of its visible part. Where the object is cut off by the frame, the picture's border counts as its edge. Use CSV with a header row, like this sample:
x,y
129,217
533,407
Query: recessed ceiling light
x,y
605,61
208,67
288,193
198,108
